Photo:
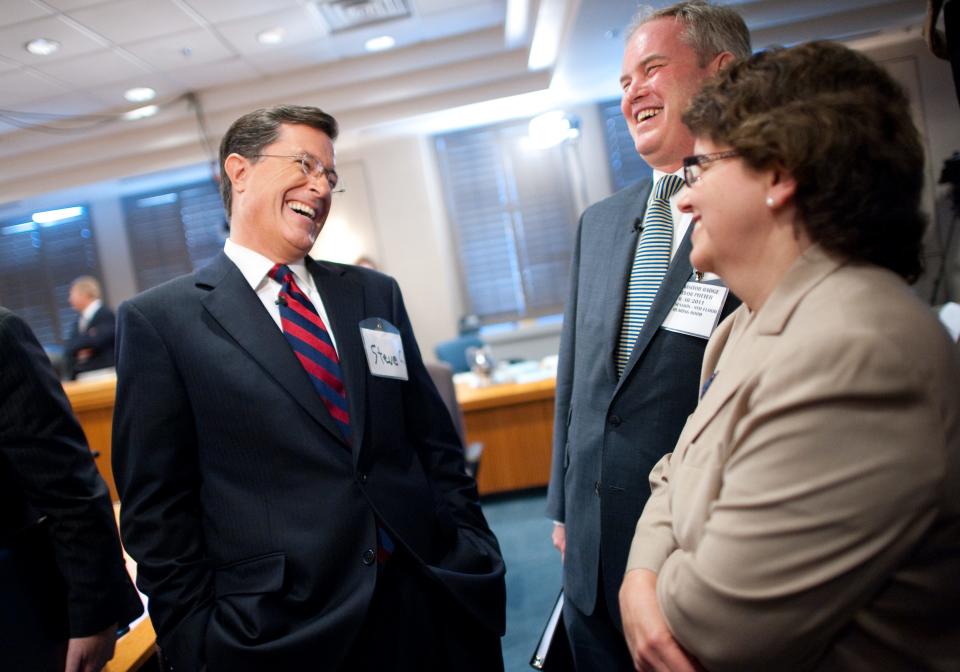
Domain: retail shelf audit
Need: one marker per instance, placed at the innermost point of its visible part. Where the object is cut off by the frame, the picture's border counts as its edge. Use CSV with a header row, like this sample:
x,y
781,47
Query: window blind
x,y
626,166
41,254
173,231
513,220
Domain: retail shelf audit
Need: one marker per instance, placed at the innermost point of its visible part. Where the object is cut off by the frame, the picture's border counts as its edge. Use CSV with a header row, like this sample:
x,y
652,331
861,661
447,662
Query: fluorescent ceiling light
x,y
141,112
515,27
54,216
272,36
140,94
381,43
41,46
551,128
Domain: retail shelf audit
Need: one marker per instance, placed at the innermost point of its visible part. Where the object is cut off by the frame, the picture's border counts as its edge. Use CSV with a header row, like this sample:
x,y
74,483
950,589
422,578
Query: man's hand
x,y
649,639
559,537
90,654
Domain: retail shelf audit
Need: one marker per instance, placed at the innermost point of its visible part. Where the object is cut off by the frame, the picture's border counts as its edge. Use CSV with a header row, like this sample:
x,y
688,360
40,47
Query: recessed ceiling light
x,y
272,36
42,46
141,112
140,94
381,43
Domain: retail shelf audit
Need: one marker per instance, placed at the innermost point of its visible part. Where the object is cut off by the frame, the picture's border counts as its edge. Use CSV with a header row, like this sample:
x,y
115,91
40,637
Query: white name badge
x,y
384,349
697,310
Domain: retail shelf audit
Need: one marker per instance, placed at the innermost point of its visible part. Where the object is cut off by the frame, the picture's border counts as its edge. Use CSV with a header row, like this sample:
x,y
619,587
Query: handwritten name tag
x,y
697,310
384,349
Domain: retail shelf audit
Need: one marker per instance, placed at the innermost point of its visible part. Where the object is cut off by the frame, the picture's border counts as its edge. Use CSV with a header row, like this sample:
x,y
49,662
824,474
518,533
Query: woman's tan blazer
x,y
809,516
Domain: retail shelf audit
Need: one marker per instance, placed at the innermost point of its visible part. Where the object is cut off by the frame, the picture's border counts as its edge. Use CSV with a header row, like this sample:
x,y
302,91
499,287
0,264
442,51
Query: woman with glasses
x,y
809,516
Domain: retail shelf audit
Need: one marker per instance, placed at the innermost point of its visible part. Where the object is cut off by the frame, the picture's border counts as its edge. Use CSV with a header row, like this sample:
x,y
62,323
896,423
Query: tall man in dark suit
x,y
293,488
629,357
92,337
64,586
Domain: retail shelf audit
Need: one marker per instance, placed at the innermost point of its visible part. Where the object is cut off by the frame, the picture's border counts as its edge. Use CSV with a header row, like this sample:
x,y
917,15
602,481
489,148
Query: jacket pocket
x,y
262,574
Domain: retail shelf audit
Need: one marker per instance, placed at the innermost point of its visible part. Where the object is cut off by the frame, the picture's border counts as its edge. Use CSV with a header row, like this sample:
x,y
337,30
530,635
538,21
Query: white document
x,y
384,350
697,310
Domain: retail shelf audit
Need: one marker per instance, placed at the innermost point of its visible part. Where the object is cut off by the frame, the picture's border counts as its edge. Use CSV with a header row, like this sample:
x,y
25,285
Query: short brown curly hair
x,y
841,126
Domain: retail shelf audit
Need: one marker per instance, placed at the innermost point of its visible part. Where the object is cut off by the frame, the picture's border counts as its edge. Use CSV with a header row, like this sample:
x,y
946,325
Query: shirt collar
x,y
91,309
255,267
657,174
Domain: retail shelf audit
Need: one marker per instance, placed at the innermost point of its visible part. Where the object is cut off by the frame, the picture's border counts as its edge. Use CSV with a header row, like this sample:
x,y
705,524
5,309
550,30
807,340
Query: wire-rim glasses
x,y
312,167
693,165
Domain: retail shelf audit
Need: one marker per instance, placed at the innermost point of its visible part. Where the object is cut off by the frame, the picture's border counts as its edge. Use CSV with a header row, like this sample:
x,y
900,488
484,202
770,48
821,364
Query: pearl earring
x,y
769,201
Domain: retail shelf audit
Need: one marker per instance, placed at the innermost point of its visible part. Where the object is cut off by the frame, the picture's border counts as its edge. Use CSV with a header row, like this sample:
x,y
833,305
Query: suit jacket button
x,y
615,420
369,556
362,476
596,487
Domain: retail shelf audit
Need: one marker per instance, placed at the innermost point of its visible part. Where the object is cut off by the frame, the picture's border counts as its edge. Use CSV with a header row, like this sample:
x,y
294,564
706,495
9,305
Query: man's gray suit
x,y
610,431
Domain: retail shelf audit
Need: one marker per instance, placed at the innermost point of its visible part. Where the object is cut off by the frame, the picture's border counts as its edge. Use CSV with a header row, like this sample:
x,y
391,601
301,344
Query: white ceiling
x,y
449,54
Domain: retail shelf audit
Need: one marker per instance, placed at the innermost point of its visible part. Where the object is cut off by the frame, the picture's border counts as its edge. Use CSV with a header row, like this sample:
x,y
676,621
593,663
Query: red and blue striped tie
x,y
311,343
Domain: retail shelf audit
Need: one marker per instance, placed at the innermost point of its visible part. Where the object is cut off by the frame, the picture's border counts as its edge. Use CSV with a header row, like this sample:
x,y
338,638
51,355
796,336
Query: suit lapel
x,y
673,283
344,302
624,247
238,310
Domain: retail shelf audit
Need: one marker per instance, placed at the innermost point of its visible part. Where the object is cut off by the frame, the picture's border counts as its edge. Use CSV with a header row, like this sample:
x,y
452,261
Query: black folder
x,y
553,650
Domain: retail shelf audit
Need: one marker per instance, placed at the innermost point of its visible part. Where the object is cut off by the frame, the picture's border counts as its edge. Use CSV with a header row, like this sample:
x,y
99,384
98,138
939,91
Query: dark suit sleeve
x,y
157,474
43,448
556,501
99,334
473,560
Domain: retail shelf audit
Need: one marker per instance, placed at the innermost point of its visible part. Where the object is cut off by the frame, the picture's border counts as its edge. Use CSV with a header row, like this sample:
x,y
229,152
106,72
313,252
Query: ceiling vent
x,y
343,15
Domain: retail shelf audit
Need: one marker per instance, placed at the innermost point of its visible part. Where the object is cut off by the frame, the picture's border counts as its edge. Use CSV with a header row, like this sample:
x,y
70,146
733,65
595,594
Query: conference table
x,y
513,421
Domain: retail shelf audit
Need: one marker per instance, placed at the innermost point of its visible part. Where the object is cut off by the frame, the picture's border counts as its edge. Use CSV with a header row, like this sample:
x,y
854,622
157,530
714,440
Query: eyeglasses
x,y
693,165
312,167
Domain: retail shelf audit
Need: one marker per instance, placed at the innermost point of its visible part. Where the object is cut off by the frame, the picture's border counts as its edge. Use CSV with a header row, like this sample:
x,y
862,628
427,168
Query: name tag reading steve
x,y
384,348
697,310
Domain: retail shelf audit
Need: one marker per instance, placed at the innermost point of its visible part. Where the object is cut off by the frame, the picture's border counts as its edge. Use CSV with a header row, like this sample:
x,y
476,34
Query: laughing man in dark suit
x,y
293,488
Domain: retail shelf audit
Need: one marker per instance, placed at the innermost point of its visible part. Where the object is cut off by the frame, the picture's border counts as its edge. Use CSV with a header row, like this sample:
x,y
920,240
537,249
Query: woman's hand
x,y
649,639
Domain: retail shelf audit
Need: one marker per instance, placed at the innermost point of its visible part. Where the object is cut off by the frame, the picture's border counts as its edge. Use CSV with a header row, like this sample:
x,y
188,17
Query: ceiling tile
x,y
68,5
65,105
93,69
21,86
281,61
111,95
424,7
131,20
297,23
219,11
72,41
214,74
15,11
182,50
7,64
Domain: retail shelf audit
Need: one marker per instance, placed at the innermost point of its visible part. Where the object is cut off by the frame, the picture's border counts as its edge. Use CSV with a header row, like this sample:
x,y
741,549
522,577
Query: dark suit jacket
x,y
610,431
67,571
99,336
251,520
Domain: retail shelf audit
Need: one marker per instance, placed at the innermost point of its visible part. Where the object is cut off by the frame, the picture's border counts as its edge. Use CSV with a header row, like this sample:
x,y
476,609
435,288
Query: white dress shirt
x,y
681,220
255,267
86,316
